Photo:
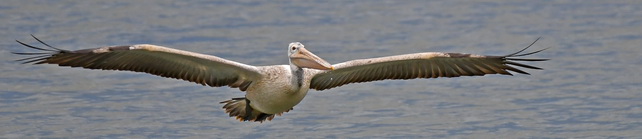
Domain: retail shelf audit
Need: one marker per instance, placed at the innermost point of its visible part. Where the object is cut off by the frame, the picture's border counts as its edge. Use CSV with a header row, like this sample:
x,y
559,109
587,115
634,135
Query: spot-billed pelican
x,y
273,90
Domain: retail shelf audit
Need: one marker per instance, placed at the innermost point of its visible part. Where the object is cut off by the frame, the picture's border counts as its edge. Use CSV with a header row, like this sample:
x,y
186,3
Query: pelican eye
x,y
293,48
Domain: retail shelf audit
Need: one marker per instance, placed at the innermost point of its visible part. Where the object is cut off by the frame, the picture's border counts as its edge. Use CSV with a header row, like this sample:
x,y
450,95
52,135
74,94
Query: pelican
x,y
275,89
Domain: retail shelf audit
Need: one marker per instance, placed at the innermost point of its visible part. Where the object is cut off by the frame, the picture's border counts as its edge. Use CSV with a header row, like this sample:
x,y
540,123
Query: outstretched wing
x,y
152,59
420,65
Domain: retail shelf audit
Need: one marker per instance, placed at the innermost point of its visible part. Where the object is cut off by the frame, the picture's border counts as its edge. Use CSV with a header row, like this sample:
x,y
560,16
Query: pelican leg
x,y
241,109
248,110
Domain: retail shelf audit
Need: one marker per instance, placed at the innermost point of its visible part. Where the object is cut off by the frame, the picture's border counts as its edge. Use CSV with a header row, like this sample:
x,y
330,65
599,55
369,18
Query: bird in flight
x,y
275,89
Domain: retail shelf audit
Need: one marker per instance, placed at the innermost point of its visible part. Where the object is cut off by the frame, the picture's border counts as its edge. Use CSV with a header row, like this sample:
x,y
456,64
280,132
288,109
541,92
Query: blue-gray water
x,y
592,87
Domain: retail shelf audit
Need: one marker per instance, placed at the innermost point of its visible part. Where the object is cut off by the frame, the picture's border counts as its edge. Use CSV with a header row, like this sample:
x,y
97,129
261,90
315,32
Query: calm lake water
x,y
592,87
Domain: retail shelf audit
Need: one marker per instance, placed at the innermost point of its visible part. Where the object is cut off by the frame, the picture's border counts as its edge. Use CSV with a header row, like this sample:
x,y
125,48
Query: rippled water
x,y
590,88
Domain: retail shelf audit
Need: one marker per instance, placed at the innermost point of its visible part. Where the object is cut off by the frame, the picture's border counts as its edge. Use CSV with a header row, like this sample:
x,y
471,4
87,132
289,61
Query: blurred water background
x,y
590,89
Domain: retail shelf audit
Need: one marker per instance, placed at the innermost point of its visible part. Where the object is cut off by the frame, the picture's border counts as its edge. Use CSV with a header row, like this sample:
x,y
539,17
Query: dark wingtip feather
x,y
28,58
525,59
520,51
523,65
46,43
530,52
517,54
38,57
510,59
517,70
36,61
23,53
33,47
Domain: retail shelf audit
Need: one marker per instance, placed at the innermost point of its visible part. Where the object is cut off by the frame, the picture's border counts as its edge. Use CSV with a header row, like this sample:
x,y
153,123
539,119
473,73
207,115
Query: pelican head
x,y
301,57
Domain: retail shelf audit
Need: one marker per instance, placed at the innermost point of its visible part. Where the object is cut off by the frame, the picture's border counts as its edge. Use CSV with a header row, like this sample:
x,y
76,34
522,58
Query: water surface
x,y
590,88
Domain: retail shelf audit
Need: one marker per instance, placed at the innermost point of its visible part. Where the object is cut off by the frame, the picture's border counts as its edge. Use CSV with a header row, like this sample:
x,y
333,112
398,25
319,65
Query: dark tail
x,y
241,109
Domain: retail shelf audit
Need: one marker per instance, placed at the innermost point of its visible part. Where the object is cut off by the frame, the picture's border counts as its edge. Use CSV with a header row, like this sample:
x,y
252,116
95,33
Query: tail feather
x,y
240,108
